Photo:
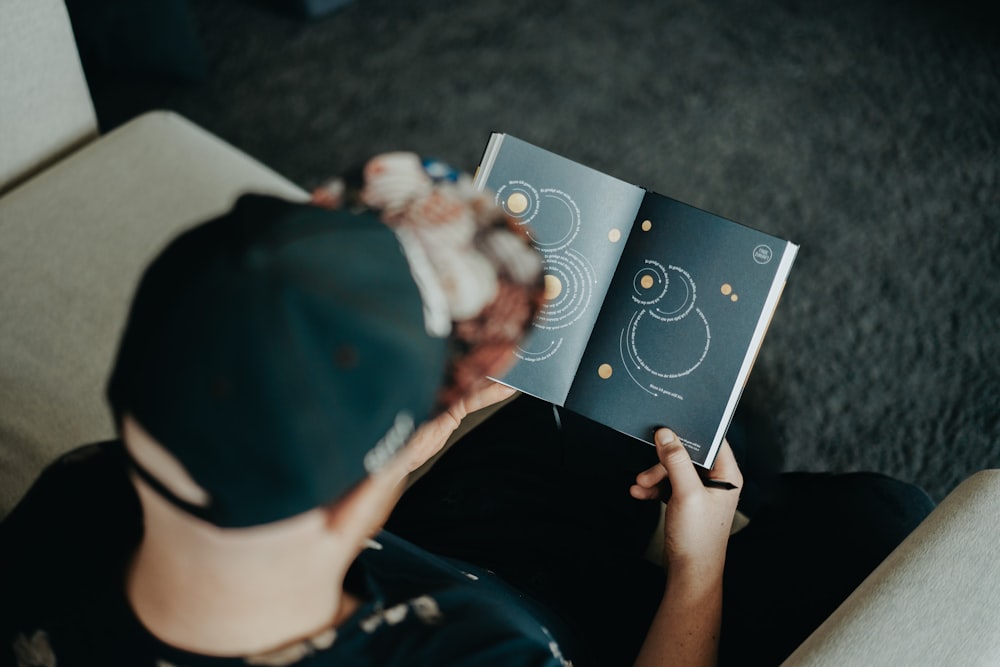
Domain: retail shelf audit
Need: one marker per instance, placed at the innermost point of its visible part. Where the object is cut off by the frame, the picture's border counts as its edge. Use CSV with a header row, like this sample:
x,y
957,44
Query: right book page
x,y
681,325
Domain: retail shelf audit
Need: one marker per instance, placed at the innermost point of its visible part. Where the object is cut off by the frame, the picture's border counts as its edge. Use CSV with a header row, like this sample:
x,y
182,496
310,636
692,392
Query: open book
x,y
654,310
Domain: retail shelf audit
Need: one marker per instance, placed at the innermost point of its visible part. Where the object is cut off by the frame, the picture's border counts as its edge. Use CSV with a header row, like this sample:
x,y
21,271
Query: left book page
x,y
580,220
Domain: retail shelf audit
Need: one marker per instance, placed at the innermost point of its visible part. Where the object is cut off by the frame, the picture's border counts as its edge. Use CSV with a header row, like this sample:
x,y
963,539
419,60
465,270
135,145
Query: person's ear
x,y
155,458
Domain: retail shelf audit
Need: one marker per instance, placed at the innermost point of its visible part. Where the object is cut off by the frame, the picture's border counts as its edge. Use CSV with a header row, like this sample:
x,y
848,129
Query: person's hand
x,y
698,519
433,434
697,522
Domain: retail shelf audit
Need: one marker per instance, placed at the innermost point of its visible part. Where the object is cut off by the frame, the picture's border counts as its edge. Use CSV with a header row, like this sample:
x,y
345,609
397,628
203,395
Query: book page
x,y
679,321
579,219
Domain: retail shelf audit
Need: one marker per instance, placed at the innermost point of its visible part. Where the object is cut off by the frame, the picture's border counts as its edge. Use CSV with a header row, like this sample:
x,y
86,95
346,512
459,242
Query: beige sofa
x,y
80,215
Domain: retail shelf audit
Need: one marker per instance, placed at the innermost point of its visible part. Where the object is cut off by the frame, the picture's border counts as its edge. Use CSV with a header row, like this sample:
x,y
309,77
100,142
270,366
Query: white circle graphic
x,y
762,254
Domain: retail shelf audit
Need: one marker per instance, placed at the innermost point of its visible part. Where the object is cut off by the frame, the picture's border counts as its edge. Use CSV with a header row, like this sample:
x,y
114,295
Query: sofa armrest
x,y
45,109
934,601
73,242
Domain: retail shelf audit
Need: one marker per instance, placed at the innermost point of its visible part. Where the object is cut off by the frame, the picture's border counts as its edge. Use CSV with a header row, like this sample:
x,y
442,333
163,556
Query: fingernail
x,y
664,436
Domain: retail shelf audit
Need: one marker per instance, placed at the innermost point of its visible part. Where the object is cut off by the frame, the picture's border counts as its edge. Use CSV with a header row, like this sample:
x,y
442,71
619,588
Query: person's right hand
x,y
698,519
697,522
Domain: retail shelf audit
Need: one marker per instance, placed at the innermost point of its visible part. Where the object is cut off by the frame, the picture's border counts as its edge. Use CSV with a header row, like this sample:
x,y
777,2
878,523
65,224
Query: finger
x,y
483,394
675,458
725,467
644,493
489,393
651,476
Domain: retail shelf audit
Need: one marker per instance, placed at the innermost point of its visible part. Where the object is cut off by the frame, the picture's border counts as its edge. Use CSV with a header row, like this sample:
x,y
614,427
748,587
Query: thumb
x,y
674,457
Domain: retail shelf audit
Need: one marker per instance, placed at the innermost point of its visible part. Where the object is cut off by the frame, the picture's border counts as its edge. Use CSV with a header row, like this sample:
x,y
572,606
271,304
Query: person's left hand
x,y
433,434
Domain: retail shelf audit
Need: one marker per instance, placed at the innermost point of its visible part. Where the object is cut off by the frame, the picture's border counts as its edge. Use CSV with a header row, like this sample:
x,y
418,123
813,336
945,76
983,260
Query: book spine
x,y
489,158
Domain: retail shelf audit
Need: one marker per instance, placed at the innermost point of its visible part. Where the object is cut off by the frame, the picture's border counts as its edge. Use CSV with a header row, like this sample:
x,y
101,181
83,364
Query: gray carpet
x,y
867,132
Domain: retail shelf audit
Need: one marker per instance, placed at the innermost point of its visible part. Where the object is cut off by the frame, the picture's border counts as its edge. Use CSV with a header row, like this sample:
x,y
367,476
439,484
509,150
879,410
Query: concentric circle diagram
x,y
524,202
667,336
569,276
569,289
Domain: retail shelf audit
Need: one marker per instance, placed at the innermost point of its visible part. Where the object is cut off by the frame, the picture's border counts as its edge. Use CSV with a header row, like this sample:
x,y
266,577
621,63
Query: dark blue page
x,y
680,325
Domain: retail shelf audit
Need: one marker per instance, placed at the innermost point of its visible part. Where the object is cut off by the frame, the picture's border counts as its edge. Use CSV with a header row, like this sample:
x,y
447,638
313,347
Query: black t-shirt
x,y
66,546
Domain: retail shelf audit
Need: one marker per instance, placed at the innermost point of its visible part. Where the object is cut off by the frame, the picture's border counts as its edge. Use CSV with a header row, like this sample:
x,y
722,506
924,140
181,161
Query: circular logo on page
x,y
762,254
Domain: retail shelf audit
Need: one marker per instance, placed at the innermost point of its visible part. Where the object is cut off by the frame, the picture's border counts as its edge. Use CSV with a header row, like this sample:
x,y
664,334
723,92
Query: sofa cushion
x,y
73,242
933,601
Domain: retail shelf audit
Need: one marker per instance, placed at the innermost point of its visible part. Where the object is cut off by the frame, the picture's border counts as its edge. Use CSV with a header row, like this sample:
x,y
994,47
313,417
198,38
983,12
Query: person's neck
x,y
223,598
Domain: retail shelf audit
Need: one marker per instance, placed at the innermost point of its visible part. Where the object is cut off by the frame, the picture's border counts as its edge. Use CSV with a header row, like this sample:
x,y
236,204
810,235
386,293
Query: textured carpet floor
x,y
867,132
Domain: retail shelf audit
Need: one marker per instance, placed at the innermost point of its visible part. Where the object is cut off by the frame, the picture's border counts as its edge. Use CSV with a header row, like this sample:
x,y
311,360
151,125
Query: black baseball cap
x,y
280,353
284,351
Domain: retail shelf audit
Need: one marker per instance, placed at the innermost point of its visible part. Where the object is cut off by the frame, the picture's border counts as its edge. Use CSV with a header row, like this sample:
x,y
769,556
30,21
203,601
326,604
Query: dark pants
x,y
548,509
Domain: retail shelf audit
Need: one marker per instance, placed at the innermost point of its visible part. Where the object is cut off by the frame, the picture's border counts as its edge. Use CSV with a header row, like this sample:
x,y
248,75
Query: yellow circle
x,y
604,370
727,289
734,298
614,235
553,287
517,203
647,225
646,282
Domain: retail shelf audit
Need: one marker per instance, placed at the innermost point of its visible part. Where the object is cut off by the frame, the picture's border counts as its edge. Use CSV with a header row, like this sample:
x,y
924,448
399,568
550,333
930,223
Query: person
x,y
283,371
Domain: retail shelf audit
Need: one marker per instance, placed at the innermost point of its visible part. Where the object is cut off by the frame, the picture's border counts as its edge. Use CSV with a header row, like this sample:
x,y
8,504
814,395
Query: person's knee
x,y
886,509
906,500
865,507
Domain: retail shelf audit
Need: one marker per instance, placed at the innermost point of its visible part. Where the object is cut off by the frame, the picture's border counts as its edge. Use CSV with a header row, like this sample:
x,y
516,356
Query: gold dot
x,y
614,235
727,289
647,225
517,203
646,282
604,370
734,298
553,287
